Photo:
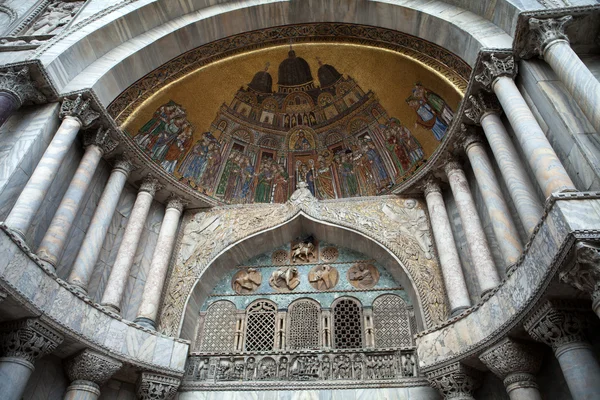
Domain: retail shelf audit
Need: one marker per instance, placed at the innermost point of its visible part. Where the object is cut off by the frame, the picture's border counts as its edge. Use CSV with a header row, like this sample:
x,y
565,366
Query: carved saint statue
x,y
246,281
285,278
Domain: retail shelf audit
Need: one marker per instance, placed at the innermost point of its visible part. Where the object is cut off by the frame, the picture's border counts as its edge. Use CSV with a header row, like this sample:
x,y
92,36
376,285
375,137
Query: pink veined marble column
x,y
479,250
148,310
117,281
454,280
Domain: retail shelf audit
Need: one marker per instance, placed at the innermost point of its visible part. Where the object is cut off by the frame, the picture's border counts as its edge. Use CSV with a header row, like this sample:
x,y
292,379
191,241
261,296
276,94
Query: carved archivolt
x,y
400,225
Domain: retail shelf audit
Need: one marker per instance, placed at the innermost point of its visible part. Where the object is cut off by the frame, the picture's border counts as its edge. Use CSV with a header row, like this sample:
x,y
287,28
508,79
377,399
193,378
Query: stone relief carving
x,y
28,339
329,254
101,138
584,272
495,67
542,32
91,366
55,18
285,279
304,251
323,277
455,381
246,281
18,83
413,223
280,257
363,276
156,387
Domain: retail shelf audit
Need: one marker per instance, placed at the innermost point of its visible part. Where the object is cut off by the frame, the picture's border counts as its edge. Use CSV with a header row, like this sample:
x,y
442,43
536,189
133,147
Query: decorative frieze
x,y
18,83
28,339
102,138
455,381
156,387
543,33
92,367
495,67
80,109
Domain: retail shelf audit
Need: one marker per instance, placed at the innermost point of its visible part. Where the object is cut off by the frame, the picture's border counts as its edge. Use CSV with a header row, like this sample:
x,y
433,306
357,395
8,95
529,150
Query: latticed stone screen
x,y
304,325
260,326
392,326
219,327
347,325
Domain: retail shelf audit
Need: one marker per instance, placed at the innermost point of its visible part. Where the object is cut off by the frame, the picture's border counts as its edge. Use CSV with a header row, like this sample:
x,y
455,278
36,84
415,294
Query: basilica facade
x,y
304,199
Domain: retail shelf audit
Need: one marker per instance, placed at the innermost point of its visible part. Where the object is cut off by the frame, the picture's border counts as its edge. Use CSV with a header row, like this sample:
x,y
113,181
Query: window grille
x,y
347,325
260,326
303,325
392,326
219,327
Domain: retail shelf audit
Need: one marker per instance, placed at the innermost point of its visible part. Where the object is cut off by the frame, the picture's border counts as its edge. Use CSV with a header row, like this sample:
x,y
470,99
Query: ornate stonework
x,y
91,366
124,163
285,279
544,32
150,185
246,281
80,109
176,202
481,104
323,277
455,381
18,83
495,67
102,138
156,387
363,276
28,339
584,272
510,357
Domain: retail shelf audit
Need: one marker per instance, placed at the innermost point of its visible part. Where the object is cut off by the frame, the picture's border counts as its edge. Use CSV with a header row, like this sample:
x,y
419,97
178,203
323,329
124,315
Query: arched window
x,y
391,322
219,327
347,324
303,325
260,326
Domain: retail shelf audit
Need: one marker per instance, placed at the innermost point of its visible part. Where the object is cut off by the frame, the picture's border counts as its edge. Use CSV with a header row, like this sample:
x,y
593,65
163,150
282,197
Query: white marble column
x,y
485,110
159,266
117,281
22,342
552,44
75,114
504,228
549,172
479,250
52,246
88,254
88,371
16,89
454,280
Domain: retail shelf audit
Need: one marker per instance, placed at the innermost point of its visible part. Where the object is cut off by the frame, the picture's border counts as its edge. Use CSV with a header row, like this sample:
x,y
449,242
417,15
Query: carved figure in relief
x,y
323,277
342,367
56,16
283,368
357,366
285,278
408,366
411,221
202,369
267,369
250,365
370,365
326,367
363,276
246,281
304,251
226,369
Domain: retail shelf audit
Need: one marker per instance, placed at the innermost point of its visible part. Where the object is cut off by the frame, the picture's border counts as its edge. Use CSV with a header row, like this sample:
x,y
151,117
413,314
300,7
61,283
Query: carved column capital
x,y
156,387
514,362
469,136
558,322
91,367
18,83
150,185
432,185
28,339
79,109
452,166
496,67
123,162
176,202
545,32
584,272
480,105
102,138
455,381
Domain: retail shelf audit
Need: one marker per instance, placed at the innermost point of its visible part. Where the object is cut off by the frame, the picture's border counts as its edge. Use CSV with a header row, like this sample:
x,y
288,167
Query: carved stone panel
x,y
246,281
329,254
363,276
280,257
303,330
219,327
392,326
304,251
55,18
285,279
323,277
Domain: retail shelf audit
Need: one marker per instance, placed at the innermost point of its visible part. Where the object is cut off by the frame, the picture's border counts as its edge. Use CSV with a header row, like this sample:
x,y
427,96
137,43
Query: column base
x,y
458,311
79,289
47,265
112,308
82,390
146,323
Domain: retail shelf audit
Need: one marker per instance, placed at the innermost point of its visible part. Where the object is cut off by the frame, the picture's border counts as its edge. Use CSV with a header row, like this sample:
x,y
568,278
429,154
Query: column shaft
x,y
94,237
513,172
159,267
8,105
481,258
113,293
502,223
581,370
55,239
579,80
82,390
454,280
14,375
549,171
36,189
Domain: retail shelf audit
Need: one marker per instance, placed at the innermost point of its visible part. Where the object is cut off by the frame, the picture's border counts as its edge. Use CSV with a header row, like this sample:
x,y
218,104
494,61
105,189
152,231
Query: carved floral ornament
x,y
399,225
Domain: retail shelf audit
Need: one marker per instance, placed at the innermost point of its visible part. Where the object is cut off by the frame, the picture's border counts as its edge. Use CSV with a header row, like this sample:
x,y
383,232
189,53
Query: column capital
x,y
17,82
452,165
496,67
102,138
28,339
432,185
455,381
512,359
583,272
545,32
156,387
558,322
176,202
124,163
91,367
150,185
469,137
481,104
80,109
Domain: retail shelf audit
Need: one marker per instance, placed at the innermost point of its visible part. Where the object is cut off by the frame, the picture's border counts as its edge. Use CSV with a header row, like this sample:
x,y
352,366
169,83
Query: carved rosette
x,y
543,33
18,83
80,109
123,163
156,387
496,67
455,381
91,367
176,202
28,339
480,105
558,323
101,138
150,185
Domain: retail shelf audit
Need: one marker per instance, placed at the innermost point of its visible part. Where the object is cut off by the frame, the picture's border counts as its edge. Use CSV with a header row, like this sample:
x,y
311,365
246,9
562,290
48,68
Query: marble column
x,y
552,44
485,110
156,387
516,363
21,344
52,246
549,172
504,228
561,324
17,88
452,272
117,281
88,254
479,250
75,115
159,266
455,381
88,371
